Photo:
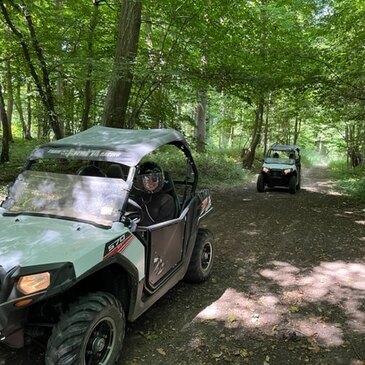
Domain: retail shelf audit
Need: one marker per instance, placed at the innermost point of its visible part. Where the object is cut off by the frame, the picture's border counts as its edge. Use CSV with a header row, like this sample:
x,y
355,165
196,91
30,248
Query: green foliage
x,y
217,168
19,151
305,57
220,169
350,180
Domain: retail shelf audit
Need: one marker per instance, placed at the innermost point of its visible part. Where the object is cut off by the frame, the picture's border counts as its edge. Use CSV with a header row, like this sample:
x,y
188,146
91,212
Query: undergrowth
x,y
19,151
351,180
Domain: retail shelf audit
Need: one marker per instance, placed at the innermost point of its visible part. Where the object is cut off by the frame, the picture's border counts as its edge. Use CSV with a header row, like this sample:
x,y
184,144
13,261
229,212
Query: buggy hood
x,y
124,146
35,241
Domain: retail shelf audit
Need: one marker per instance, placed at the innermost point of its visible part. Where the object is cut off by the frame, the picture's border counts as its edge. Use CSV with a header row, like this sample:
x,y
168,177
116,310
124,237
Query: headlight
x,y
287,171
33,283
265,169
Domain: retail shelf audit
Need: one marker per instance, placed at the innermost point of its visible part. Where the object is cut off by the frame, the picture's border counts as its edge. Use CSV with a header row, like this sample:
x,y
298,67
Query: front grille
x,y
276,173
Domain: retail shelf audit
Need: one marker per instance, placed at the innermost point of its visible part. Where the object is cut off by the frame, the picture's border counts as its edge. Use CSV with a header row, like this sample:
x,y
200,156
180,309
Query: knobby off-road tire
x,y
298,182
202,258
91,332
292,184
260,184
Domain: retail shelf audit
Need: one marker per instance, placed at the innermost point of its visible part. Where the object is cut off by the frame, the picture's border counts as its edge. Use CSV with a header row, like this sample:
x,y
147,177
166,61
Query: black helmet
x,y
150,177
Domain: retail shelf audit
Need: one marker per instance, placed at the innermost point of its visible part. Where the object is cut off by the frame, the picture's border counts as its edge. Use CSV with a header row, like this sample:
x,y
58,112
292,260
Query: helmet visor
x,y
151,182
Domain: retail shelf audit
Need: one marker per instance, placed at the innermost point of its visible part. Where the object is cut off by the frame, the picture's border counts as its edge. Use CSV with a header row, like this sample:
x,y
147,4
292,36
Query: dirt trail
x,y
288,287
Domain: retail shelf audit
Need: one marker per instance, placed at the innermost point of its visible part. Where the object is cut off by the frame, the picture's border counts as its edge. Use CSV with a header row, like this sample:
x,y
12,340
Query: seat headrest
x,y
116,171
90,170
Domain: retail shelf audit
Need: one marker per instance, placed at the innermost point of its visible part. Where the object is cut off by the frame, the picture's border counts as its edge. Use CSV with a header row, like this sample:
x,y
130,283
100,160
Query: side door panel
x,y
166,249
169,245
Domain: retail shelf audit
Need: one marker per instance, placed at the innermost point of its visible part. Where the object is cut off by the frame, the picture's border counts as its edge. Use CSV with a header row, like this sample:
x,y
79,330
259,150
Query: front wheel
x,y
201,261
298,182
91,332
292,184
260,184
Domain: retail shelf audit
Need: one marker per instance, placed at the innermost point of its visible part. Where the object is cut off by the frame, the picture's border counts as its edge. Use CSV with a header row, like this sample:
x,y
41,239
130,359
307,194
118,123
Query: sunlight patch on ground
x,y
323,187
250,232
236,309
338,284
329,334
360,222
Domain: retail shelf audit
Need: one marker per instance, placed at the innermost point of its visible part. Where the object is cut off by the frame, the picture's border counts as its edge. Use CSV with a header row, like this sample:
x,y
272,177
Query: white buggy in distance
x,y
72,255
281,167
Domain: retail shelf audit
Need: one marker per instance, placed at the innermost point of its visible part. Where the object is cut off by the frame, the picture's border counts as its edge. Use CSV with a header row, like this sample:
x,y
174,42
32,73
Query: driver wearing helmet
x,y
157,206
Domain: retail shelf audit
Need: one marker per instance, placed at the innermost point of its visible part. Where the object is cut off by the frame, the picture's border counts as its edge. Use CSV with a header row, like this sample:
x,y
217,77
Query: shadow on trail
x,y
297,277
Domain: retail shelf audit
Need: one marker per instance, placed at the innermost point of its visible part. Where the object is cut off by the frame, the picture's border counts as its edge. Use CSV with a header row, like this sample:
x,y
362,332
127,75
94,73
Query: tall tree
x,y
10,99
4,157
88,88
201,120
116,102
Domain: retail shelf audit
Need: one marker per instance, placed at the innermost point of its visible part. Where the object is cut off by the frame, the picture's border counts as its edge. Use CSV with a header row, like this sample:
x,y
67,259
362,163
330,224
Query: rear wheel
x,y
201,261
260,184
292,184
91,332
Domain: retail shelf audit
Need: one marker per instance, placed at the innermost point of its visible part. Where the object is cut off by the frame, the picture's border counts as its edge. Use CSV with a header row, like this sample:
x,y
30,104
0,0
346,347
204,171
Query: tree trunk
x,y
116,102
298,124
266,128
353,146
19,107
60,104
4,157
10,100
256,135
28,129
201,117
88,89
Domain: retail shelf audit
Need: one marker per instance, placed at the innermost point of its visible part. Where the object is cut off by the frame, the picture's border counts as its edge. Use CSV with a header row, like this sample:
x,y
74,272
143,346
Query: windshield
x,y
279,160
94,199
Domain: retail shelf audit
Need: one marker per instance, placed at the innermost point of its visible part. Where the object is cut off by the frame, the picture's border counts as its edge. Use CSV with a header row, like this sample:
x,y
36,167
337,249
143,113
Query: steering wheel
x,y
133,214
134,204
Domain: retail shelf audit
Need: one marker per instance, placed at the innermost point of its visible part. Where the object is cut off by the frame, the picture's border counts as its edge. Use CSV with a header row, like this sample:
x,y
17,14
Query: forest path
x,y
288,286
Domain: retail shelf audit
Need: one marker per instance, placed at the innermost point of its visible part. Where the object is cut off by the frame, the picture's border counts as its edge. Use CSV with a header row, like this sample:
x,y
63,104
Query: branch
x,y
40,56
25,49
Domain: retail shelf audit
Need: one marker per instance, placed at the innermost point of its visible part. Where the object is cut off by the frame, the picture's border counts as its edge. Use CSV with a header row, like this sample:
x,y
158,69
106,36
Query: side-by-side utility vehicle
x,y
75,264
281,167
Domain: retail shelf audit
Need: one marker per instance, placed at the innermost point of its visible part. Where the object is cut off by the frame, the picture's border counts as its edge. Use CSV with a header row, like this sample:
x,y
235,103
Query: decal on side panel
x,y
117,245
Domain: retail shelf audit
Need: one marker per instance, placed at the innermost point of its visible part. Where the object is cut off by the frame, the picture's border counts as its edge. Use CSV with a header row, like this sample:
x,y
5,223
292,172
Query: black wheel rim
x,y
206,257
100,342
